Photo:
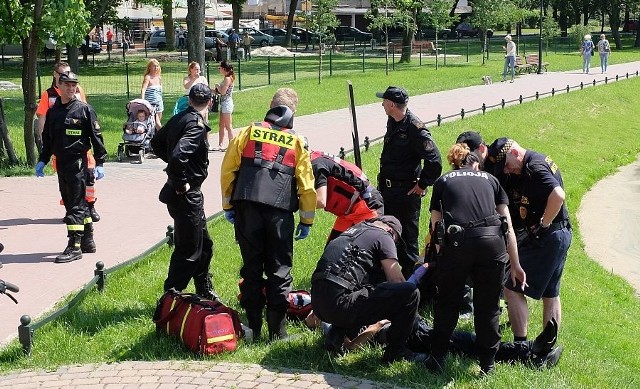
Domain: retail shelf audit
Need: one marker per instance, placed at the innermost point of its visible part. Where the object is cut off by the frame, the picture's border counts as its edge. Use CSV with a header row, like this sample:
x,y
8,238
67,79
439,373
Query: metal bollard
x,y
102,276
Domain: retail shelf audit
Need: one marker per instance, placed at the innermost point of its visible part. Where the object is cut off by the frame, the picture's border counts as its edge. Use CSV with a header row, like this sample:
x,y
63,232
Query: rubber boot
x,y
204,287
95,217
72,252
254,319
88,245
277,324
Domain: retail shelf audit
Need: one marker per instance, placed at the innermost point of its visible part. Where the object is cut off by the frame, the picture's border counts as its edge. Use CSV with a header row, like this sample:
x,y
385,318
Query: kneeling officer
x,y
358,282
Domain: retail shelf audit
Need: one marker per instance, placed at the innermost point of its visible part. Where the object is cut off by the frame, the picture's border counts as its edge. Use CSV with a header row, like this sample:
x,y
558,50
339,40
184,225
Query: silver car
x,y
158,40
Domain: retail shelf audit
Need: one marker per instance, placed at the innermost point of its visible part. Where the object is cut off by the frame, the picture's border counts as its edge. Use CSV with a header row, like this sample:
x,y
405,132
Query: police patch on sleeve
x,y
428,145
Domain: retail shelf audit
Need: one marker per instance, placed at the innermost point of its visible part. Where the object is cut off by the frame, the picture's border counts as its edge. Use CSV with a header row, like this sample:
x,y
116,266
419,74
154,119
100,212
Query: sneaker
x,y
334,340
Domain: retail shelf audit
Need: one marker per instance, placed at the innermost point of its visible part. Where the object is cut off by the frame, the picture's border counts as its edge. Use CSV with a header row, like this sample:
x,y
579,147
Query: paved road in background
x,y
133,219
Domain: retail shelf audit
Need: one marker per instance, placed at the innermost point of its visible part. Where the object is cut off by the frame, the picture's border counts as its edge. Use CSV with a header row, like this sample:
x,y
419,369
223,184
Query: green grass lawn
x,y
600,309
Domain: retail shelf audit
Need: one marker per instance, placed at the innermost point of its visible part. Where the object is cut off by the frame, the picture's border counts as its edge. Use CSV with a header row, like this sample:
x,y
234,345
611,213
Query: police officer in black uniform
x,y
470,218
358,282
71,128
182,143
403,177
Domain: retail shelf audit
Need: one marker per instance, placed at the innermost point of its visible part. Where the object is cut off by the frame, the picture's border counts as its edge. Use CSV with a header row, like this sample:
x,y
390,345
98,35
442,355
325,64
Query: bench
x,y
532,60
426,47
522,67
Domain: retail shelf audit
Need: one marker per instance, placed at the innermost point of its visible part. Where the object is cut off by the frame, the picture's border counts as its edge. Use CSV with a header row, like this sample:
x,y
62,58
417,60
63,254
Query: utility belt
x,y
350,286
455,235
555,226
389,183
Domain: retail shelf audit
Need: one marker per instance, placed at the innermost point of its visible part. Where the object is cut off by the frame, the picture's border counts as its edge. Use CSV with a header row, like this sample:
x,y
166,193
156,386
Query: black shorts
x,y
543,260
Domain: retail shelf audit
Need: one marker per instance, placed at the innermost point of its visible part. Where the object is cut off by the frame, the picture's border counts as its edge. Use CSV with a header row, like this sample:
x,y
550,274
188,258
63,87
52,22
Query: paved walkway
x,y
30,216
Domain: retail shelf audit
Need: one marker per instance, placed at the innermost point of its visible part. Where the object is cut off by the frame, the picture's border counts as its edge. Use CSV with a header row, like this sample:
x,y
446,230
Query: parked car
x,y
347,34
464,29
279,36
217,33
158,40
305,35
94,48
430,33
259,37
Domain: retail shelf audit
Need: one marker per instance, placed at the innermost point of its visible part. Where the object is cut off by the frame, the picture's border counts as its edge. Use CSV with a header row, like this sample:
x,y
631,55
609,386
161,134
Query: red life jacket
x,y
267,169
345,184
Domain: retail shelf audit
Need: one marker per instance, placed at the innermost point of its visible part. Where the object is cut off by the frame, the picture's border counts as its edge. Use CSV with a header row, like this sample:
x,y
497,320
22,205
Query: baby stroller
x,y
137,131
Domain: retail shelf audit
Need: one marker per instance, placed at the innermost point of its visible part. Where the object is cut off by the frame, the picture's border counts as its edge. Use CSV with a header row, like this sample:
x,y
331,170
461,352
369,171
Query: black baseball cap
x,y
200,93
497,154
471,139
68,77
395,94
395,225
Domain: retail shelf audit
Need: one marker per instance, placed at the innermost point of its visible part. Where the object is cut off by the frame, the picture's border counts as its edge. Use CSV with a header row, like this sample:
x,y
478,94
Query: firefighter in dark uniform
x,y
71,128
545,217
344,190
266,176
358,282
473,229
404,178
182,144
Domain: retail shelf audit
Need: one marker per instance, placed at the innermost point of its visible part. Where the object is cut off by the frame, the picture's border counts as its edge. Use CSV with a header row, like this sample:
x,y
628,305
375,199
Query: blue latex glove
x,y
230,215
99,172
417,275
367,193
302,231
40,169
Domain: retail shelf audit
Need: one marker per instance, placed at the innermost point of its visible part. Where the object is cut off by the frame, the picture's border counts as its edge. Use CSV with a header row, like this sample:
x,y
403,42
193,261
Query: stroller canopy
x,y
136,105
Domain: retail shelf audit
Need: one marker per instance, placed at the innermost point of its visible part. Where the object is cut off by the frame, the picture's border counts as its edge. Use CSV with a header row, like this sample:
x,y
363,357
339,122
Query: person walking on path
x,y
409,163
70,130
509,58
544,214
181,45
266,176
604,49
586,50
152,88
47,100
470,216
182,144
225,91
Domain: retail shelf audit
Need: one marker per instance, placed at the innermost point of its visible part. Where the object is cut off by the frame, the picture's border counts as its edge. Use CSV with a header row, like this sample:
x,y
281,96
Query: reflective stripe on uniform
x,y
73,132
87,220
90,194
75,227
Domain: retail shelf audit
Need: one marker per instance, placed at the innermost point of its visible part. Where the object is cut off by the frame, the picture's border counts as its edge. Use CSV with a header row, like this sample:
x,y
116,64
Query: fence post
x,y
363,50
606,80
331,61
462,113
445,53
467,51
393,60
25,334
367,143
520,99
207,68
341,153
99,272
239,76
126,71
38,75
484,108
553,92
594,82
420,55
537,95
294,67
582,85
502,103
439,119
269,70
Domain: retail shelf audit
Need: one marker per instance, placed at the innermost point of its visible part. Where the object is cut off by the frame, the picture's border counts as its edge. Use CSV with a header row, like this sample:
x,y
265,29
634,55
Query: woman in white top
x,y
225,89
192,78
509,58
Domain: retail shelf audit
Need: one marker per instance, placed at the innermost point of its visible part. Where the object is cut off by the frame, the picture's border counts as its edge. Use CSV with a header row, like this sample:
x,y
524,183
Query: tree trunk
x,y
614,23
169,29
292,13
5,141
407,40
195,26
236,7
72,58
29,62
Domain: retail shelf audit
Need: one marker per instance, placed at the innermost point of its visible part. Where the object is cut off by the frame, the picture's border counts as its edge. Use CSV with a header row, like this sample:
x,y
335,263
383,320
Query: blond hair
x,y
458,155
152,62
